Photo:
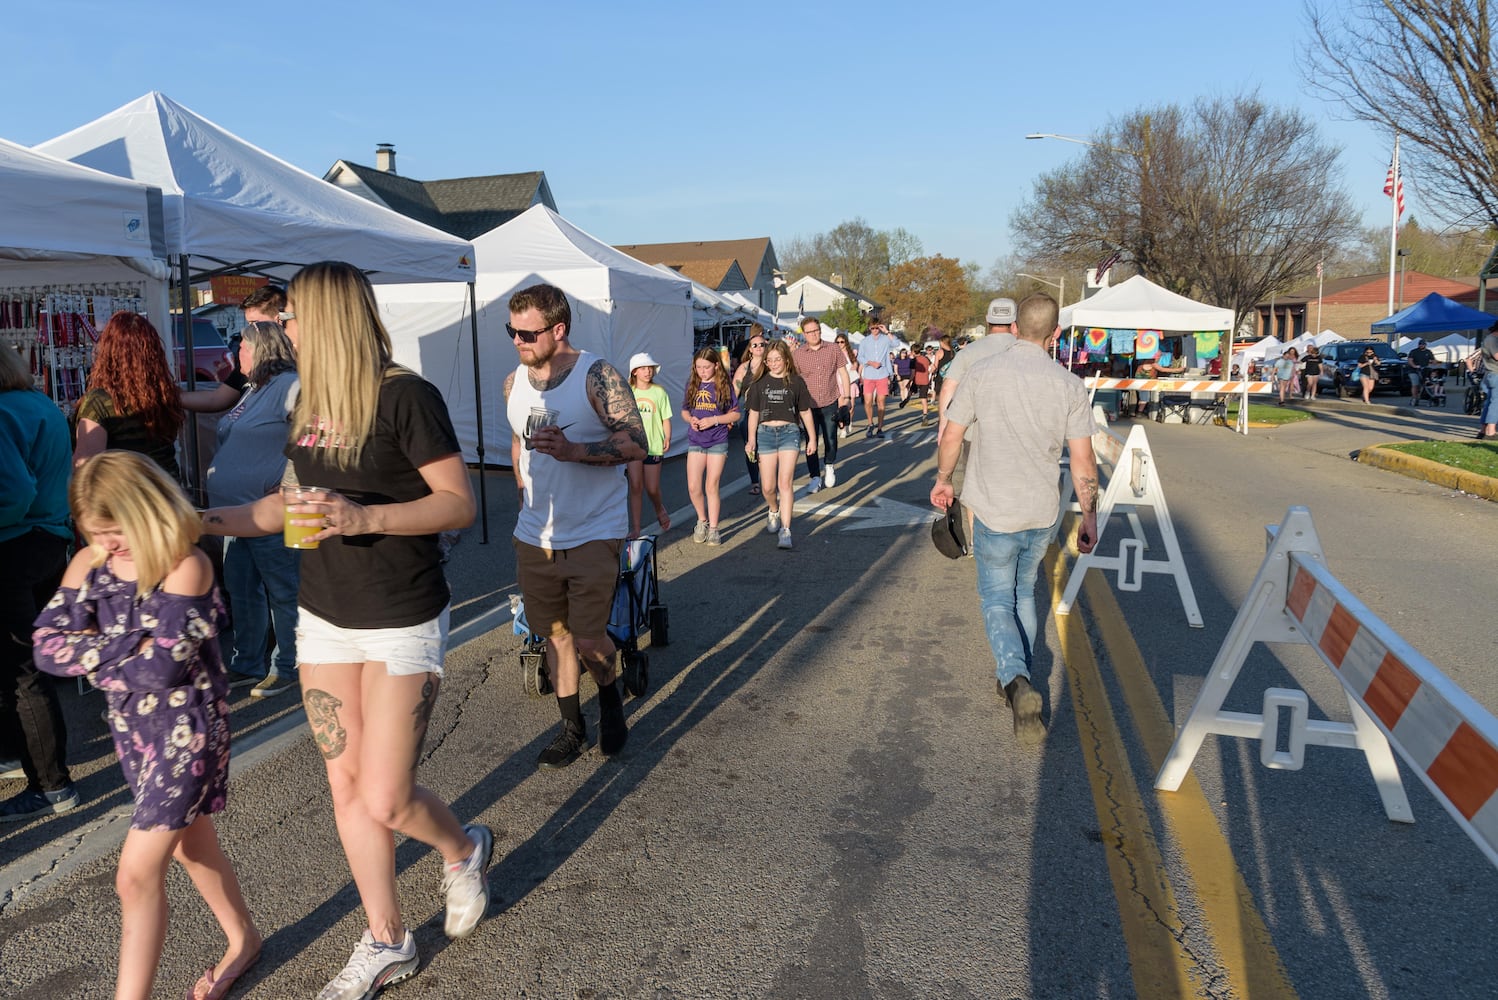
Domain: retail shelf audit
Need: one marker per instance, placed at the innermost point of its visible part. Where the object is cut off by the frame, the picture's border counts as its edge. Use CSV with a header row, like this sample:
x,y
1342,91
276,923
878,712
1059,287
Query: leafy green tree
x,y
927,291
845,315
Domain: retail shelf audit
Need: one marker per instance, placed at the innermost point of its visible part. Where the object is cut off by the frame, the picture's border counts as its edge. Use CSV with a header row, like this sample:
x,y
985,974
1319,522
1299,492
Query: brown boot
x,y
1025,702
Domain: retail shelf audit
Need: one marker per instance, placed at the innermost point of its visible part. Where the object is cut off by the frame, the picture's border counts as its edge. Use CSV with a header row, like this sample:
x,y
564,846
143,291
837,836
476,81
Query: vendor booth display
x,y
1136,317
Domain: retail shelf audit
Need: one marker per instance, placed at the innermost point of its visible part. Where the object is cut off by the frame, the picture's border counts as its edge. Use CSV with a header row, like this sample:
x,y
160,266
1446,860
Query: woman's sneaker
x,y
714,536
774,524
467,885
699,533
35,802
785,539
274,684
372,967
11,769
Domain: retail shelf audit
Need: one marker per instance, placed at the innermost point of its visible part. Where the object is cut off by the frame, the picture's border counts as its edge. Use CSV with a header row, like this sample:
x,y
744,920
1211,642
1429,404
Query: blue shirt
x,y
36,461
873,355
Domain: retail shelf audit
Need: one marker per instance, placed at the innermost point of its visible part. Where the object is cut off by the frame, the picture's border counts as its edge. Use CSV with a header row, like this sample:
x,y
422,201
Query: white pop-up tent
x,y
236,208
619,307
1140,304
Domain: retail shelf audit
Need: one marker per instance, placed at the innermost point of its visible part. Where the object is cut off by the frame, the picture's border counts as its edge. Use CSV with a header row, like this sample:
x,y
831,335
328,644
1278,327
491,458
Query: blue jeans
x,y
1007,565
262,576
1490,405
824,422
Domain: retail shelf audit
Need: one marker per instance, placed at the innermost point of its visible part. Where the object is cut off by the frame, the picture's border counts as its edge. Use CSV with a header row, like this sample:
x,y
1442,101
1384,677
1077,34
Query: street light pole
x,y
1143,156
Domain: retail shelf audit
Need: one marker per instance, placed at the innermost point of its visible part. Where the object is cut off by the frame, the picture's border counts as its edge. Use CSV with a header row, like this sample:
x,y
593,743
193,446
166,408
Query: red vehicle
x,y
212,361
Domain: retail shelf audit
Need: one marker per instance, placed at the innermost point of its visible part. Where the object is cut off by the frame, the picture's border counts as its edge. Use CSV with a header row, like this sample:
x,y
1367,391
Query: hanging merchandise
x,y
1146,345
54,328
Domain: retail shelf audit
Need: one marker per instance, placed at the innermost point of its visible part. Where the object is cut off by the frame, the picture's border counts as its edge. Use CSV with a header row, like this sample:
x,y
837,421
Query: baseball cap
x,y
642,360
1001,312
949,532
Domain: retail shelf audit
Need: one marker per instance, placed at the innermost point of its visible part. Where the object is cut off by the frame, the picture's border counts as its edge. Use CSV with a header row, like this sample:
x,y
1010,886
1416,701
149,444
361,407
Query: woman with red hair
x,y
133,402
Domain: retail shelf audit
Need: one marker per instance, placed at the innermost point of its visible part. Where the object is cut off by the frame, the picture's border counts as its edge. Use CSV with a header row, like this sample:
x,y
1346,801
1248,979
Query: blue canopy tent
x,y
1435,314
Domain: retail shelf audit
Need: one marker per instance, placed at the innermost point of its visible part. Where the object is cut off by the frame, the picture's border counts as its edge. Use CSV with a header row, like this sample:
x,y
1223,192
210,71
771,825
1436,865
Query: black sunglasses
x,y
526,336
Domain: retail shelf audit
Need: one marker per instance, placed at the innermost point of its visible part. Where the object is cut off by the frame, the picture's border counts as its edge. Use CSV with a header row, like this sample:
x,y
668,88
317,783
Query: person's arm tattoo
x,y
1087,493
322,717
614,402
509,384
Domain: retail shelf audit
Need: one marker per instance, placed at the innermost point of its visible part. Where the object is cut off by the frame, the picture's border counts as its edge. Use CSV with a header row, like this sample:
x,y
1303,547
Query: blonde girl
x,y
710,413
779,409
138,614
379,438
655,413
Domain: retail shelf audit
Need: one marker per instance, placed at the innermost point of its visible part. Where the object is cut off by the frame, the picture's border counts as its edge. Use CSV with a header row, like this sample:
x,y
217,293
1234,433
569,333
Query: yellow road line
x,y
1244,946
1158,956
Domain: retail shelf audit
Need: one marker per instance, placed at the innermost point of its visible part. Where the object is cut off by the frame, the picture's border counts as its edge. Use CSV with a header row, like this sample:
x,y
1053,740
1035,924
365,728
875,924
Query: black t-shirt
x,y
379,581
778,399
1421,357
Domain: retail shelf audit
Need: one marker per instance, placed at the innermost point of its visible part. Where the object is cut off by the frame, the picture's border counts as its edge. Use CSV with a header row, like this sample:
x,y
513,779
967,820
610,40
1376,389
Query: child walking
x,y
655,411
710,411
138,614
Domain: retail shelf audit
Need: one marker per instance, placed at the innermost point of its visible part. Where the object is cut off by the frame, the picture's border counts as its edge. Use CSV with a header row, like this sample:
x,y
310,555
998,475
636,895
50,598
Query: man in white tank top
x,y
574,426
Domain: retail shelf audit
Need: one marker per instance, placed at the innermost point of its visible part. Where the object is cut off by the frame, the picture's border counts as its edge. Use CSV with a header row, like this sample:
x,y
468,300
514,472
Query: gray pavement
x,y
821,795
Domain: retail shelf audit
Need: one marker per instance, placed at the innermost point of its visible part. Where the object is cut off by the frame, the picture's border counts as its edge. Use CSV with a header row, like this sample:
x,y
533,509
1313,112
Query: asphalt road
x,y
821,796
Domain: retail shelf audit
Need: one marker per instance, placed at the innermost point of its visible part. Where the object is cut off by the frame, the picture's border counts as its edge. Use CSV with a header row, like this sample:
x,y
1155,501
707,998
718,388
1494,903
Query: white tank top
x,y
566,503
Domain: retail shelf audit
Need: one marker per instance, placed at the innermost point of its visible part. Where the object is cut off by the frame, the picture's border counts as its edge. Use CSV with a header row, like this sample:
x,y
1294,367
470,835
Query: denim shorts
x,y
721,448
781,437
412,649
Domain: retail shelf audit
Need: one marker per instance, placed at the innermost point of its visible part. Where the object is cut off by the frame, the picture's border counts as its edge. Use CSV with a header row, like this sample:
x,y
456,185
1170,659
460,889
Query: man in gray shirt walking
x,y
1025,407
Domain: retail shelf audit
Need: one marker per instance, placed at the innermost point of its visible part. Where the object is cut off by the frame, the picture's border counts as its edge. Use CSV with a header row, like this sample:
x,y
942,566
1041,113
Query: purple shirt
x,y
704,403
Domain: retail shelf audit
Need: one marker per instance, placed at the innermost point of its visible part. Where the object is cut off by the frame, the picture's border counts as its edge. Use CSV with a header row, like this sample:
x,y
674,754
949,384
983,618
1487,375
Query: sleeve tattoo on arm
x,y
615,401
1087,493
322,718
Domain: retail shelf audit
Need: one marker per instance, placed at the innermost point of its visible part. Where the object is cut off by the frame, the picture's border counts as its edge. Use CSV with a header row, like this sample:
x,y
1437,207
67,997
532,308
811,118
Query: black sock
x,y
571,709
609,695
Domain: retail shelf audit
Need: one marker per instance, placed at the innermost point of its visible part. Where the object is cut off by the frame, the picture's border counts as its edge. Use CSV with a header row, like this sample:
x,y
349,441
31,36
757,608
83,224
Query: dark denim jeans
x,y
262,576
31,725
824,422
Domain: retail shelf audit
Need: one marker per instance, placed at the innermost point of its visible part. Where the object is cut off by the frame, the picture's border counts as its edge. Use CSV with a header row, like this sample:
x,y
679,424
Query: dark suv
x,y
1339,368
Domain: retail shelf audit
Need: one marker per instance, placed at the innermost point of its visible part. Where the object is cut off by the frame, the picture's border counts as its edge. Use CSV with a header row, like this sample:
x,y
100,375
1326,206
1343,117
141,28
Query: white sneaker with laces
x,y
815,486
467,886
785,539
372,967
828,476
774,524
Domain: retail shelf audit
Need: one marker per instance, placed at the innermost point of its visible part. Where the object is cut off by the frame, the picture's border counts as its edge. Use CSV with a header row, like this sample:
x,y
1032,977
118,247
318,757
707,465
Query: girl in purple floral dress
x,y
137,613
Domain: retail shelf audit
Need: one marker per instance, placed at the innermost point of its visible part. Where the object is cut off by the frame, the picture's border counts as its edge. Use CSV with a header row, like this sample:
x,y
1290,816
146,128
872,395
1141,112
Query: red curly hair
x,y
130,365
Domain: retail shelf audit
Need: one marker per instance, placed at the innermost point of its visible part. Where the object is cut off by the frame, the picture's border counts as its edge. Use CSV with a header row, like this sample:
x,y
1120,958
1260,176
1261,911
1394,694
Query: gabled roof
x,y
749,253
717,273
843,290
1369,289
464,206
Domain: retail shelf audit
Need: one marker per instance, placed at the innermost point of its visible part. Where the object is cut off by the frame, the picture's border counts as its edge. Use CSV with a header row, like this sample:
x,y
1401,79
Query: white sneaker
x,y
785,539
815,486
467,887
372,967
699,533
774,520
828,476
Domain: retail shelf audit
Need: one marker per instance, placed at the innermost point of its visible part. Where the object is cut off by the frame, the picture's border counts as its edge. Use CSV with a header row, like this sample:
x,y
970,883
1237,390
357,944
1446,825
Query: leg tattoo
x,y
422,715
322,717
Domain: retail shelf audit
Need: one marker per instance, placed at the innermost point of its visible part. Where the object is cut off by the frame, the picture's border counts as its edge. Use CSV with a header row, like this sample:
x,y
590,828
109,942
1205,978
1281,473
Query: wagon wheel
x,y
636,672
660,621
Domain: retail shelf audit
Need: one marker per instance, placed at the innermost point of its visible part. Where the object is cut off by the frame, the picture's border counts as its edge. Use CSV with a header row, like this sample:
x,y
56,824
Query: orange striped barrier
x,y
1396,696
1176,385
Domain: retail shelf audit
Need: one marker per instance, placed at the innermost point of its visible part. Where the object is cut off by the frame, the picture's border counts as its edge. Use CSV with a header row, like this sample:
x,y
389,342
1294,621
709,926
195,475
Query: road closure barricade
x,y
1180,395
1395,695
1133,483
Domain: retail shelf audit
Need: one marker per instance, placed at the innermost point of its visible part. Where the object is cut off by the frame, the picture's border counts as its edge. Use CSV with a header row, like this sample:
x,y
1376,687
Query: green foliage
x,y
846,316
1479,457
927,291
858,254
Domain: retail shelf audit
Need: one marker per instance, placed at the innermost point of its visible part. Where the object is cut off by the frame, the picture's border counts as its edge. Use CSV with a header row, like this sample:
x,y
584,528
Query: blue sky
x,y
660,121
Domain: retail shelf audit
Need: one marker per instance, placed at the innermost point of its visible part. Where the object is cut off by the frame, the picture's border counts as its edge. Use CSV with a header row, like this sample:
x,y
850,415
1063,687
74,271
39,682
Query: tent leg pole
x,y
478,412
184,299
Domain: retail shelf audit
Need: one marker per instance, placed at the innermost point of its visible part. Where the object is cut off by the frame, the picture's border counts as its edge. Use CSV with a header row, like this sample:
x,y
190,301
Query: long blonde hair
x,y
151,510
343,354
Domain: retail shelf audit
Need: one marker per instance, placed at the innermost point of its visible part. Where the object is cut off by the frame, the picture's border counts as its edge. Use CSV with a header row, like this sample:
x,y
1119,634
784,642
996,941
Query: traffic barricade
x,y
1187,387
1395,695
1133,484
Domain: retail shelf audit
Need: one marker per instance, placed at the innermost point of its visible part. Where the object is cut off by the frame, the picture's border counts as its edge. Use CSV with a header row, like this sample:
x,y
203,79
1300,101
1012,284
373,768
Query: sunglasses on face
x,y
759,344
526,336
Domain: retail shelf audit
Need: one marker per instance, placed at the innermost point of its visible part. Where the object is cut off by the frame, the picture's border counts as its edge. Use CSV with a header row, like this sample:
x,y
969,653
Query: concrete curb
x,y
1384,457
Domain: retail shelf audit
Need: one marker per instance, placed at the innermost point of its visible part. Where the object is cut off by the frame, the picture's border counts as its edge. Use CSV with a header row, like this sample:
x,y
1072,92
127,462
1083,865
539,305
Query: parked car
x,y
1339,368
212,361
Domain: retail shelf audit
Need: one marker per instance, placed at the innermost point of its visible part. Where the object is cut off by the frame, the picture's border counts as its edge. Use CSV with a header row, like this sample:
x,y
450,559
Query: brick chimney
x,y
385,157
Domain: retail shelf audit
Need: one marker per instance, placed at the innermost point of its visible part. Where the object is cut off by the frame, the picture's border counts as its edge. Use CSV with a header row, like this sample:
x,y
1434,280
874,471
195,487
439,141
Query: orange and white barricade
x,y
1395,695
1179,385
1133,483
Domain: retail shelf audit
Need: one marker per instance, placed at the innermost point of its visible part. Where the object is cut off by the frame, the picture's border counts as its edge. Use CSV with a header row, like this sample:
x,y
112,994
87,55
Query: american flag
x,y
1114,256
1394,184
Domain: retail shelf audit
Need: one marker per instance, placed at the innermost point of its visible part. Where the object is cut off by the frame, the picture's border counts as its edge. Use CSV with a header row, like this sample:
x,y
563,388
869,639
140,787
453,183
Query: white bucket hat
x,y
642,360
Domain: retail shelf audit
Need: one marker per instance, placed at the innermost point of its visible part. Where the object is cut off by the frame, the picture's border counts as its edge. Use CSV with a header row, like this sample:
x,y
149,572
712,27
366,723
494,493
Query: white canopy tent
x,y
238,209
1328,337
1140,304
619,307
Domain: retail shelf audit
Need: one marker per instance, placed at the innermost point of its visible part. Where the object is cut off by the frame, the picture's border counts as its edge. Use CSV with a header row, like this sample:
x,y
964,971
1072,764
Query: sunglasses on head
x,y
526,336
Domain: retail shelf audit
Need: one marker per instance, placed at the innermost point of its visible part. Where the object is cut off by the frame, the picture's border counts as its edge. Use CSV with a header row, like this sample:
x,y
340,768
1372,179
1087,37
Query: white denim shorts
x,y
414,649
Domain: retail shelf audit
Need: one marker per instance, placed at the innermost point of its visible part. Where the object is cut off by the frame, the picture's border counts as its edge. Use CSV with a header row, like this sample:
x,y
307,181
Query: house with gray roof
x,y
466,207
722,265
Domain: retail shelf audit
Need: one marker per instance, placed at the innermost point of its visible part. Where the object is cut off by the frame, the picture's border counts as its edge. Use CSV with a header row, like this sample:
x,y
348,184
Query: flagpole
x,y
1393,224
1320,286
